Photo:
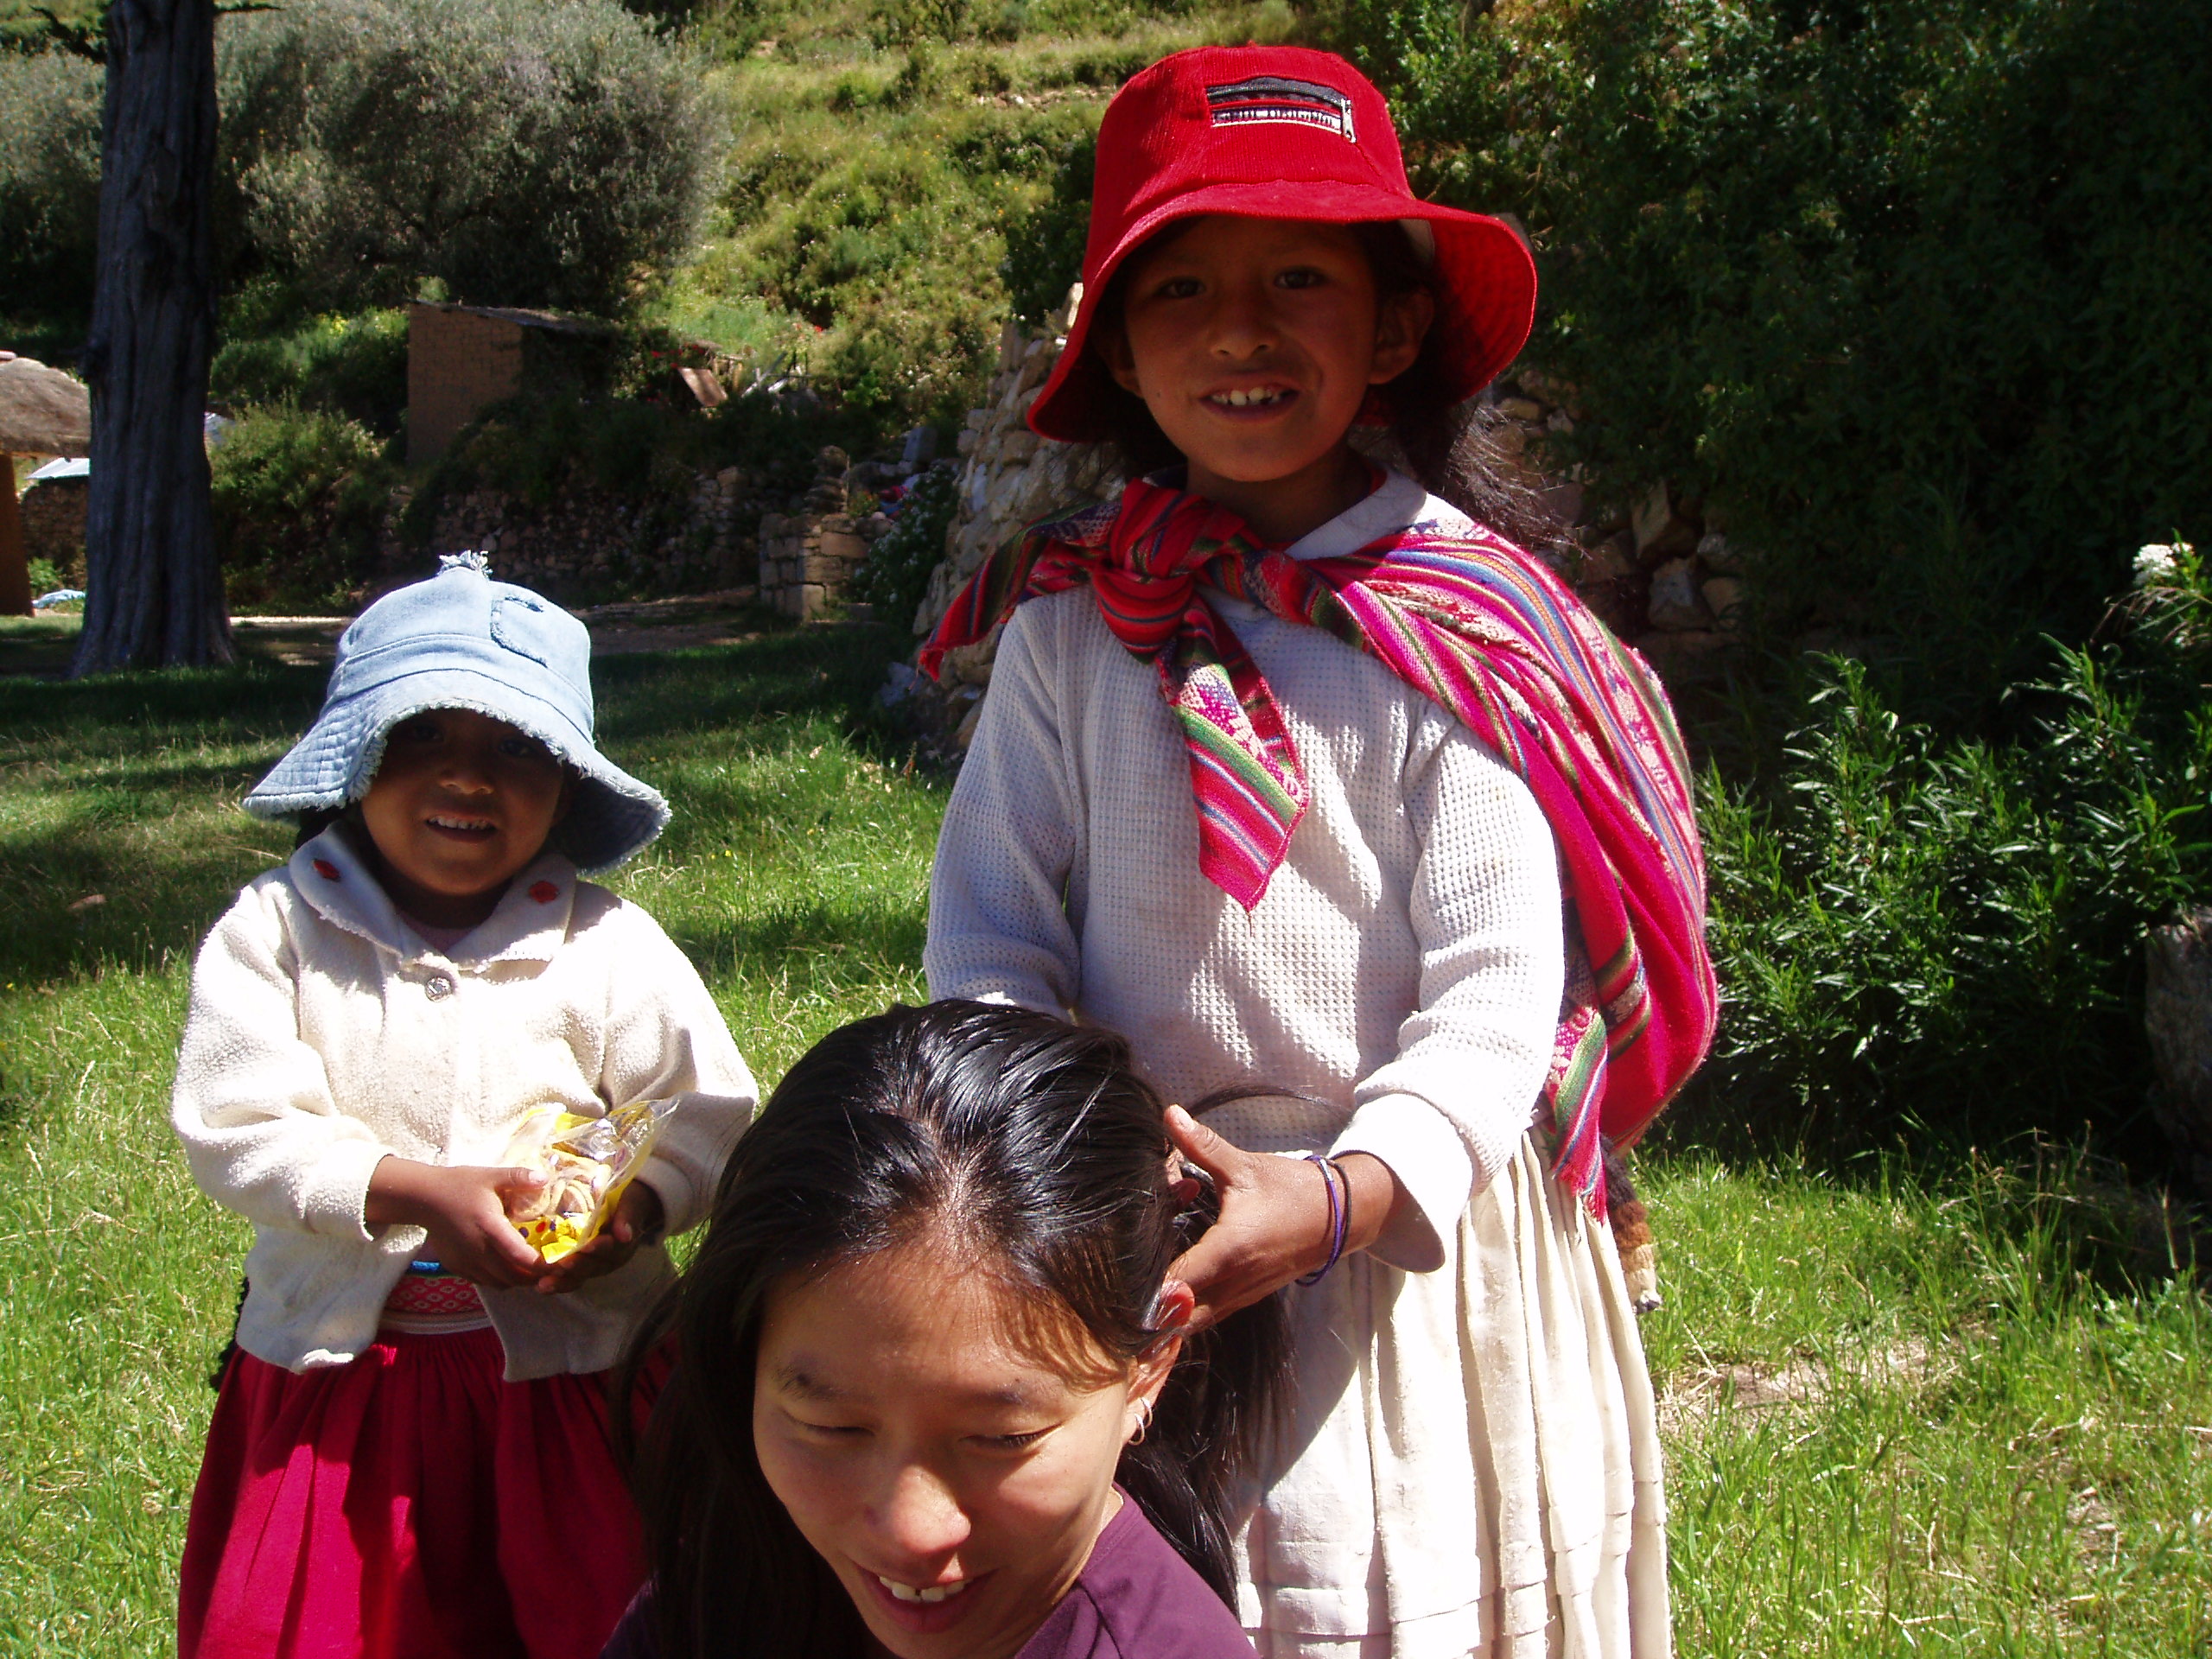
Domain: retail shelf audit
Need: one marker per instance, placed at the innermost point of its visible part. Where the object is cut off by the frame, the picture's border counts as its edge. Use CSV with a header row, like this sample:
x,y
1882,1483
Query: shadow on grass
x,y
832,672
96,895
865,934
132,711
103,880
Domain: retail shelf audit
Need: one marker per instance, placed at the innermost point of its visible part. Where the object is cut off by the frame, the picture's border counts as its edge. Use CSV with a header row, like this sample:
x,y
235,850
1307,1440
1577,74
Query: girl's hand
x,y
464,1210
638,1219
1274,1218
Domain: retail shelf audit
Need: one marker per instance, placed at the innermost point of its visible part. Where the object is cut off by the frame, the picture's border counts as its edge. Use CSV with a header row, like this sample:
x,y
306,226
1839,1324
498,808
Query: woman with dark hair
x,y
930,1394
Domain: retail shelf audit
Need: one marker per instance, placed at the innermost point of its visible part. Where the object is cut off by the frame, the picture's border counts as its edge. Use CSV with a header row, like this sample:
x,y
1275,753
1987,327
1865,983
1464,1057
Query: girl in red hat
x,y
1295,772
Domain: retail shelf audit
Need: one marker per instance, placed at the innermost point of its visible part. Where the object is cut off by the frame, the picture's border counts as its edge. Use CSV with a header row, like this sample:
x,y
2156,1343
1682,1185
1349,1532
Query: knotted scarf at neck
x,y
1485,631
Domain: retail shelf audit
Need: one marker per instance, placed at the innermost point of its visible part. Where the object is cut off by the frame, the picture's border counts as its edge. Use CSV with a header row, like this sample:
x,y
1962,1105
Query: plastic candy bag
x,y
588,1163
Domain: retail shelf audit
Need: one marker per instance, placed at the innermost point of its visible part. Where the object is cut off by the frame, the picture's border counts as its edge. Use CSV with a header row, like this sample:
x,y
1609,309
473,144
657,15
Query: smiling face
x,y
460,803
1254,342
950,1462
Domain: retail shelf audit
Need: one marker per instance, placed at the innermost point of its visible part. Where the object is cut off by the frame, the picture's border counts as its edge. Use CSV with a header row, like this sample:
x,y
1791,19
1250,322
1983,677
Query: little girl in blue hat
x,y
411,1449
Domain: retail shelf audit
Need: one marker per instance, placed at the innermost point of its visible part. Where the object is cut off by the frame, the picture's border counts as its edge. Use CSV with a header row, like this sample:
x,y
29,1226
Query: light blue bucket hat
x,y
461,640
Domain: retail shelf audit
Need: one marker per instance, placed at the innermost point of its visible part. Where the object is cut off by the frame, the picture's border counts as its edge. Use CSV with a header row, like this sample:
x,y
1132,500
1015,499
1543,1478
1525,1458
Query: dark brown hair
x,y
1443,442
1039,1143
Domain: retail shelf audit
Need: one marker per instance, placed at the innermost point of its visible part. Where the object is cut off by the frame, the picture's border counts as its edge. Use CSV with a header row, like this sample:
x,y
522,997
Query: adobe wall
x,y
458,361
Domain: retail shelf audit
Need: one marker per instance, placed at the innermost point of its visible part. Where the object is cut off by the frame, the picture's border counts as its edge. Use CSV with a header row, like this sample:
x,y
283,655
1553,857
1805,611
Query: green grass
x,y
1948,1409
1962,1410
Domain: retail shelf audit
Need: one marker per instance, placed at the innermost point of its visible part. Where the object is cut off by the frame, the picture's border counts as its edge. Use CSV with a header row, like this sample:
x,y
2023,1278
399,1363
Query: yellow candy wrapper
x,y
588,1163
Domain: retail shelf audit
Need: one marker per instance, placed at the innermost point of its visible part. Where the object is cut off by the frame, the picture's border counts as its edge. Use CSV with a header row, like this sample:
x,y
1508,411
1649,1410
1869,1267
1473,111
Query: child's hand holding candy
x,y
638,1219
464,1209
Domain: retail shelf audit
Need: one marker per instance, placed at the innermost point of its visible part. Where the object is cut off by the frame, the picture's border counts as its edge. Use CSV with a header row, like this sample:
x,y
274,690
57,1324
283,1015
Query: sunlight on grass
x,y
1958,1411
1951,1409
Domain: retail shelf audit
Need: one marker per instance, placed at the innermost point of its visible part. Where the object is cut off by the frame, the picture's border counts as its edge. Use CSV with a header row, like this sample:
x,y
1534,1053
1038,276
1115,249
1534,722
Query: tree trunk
x,y
153,595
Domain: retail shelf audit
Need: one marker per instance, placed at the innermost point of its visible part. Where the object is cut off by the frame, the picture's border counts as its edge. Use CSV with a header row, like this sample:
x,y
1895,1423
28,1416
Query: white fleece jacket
x,y
325,1033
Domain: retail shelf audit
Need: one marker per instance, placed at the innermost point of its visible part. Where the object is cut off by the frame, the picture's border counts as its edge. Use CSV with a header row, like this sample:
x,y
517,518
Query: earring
x,y
1144,1422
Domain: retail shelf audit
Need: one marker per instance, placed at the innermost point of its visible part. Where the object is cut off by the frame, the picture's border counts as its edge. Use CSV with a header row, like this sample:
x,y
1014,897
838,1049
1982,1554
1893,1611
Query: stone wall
x,y
53,512
1009,477
807,557
583,544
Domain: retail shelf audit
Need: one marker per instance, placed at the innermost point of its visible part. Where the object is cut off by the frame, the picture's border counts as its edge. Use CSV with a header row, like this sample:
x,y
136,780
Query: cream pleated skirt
x,y
1472,1465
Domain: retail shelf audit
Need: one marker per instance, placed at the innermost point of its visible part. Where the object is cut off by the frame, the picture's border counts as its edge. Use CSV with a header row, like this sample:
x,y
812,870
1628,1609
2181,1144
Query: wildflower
x,y
2157,563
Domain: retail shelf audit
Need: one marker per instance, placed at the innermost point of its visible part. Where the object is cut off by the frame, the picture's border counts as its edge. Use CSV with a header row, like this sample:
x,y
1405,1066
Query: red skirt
x,y
411,1505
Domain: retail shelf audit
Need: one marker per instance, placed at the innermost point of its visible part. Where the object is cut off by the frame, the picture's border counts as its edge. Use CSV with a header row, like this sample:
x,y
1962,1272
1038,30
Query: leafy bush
x,y
1902,283
49,181
519,152
300,495
351,365
1044,243
896,573
516,152
1908,927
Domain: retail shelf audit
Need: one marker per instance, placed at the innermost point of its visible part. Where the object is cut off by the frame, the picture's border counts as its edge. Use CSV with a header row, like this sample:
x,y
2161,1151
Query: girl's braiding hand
x,y
1274,1226
463,1208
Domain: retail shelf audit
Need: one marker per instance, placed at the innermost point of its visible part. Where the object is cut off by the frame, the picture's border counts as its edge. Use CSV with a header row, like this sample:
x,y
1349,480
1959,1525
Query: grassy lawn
x,y
1958,1410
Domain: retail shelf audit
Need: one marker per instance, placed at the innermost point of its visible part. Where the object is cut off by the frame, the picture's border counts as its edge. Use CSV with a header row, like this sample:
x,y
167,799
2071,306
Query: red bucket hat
x,y
1275,132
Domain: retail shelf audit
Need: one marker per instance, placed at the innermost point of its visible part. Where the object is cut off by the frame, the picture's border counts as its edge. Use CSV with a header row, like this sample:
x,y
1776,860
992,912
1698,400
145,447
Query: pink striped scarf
x,y
1483,629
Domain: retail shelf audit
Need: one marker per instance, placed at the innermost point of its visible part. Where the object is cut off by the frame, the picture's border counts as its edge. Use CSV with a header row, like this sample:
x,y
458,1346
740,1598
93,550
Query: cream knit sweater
x,y
1403,972
326,1034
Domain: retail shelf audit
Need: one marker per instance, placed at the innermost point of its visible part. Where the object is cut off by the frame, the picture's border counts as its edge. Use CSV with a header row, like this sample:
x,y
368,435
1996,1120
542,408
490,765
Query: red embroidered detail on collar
x,y
327,870
544,892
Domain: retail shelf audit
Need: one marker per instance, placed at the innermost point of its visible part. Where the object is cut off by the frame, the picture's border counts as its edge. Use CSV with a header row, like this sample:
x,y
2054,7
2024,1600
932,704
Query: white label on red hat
x,y
1277,98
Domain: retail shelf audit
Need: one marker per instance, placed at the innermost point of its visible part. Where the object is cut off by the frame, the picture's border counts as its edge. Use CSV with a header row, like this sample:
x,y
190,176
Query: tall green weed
x,y
353,365
1916,932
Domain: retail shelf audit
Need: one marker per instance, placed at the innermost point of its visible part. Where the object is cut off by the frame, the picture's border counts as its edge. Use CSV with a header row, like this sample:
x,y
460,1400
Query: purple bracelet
x,y
1339,1214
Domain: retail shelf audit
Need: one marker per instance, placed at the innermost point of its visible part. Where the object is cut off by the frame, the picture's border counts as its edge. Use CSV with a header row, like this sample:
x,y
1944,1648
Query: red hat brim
x,y
1485,276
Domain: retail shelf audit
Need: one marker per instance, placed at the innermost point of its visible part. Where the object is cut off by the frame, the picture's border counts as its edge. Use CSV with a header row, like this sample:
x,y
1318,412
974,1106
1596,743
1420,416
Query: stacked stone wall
x,y
53,512
584,543
808,557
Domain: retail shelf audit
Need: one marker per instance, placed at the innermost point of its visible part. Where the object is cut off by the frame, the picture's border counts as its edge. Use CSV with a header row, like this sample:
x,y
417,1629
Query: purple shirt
x,y
1136,1599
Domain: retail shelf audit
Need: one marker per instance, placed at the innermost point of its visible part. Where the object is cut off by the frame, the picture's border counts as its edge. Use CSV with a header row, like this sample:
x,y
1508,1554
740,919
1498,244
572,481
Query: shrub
x,y
299,496
351,365
1044,241
1899,283
897,571
49,181
517,152
1908,927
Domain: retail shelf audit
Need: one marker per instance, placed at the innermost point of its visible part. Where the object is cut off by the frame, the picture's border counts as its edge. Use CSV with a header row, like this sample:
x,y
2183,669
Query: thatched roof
x,y
42,411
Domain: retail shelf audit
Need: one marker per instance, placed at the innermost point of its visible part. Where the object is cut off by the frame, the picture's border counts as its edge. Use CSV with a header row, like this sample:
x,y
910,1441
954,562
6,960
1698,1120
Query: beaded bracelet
x,y
1339,1213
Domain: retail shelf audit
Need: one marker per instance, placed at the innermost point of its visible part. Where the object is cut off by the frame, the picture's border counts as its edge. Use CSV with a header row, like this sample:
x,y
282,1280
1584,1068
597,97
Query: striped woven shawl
x,y
1486,632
